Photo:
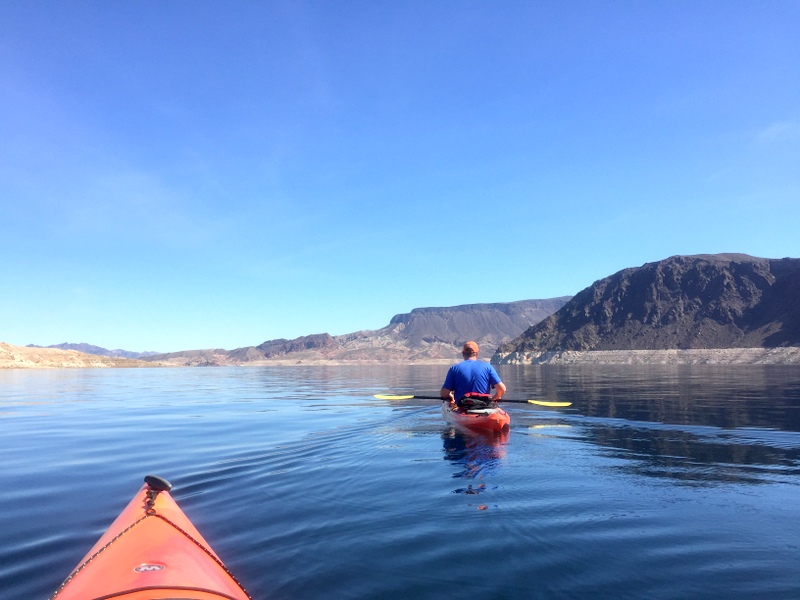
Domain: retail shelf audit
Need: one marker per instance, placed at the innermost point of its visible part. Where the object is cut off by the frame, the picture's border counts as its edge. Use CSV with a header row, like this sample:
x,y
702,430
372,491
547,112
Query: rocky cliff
x,y
683,302
488,324
423,335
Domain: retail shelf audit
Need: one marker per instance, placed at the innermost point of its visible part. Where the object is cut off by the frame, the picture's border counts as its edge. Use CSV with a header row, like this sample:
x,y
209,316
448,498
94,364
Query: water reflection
x,y
765,396
699,457
697,425
474,454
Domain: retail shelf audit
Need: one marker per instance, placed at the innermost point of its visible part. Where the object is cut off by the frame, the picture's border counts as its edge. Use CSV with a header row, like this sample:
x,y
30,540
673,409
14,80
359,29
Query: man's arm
x,y
447,394
499,390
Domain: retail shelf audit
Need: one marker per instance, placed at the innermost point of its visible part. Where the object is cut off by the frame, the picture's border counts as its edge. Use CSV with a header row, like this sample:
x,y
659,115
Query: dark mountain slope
x,y
703,301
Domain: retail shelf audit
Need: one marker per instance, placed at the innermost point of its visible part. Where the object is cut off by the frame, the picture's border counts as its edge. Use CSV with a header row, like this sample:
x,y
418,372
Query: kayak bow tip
x,y
157,483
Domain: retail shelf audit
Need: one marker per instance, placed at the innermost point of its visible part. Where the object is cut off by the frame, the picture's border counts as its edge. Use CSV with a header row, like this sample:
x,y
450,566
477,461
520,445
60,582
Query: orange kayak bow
x,y
151,550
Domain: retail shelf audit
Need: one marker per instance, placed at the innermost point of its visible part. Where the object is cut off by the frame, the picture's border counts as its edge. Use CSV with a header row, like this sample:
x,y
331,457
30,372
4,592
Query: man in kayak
x,y
469,383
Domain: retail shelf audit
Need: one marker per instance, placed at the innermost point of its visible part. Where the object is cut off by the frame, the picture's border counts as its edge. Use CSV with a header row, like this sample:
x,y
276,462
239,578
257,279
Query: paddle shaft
x,y
501,399
410,396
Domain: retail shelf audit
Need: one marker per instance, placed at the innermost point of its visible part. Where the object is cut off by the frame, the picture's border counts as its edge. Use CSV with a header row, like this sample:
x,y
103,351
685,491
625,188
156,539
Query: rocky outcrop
x,y
192,358
320,341
683,302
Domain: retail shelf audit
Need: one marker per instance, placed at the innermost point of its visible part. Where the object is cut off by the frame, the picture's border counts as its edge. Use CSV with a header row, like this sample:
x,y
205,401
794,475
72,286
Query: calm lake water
x,y
658,482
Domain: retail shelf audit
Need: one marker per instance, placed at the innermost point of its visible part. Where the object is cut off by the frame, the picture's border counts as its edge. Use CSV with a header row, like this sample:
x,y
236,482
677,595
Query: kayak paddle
x,y
412,396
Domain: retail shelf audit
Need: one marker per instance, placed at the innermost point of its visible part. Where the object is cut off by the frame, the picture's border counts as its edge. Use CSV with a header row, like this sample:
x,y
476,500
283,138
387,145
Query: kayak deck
x,y
151,550
487,419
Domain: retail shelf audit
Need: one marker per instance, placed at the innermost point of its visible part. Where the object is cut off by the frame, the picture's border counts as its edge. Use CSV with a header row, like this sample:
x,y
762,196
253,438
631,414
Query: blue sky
x,y
183,175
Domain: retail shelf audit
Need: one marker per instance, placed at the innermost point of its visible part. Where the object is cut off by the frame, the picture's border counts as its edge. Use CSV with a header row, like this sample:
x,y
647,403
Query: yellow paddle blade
x,y
546,403
385,397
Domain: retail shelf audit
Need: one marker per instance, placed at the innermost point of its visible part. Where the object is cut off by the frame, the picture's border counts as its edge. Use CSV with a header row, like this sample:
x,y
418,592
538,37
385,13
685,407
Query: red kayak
x,y
152,550
487,419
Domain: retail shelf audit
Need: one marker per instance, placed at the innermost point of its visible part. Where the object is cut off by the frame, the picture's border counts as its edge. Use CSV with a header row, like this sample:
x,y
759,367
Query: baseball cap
x,y
470,348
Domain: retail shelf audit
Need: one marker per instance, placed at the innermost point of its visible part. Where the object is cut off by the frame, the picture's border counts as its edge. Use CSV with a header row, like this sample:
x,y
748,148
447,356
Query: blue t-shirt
x,y
473,376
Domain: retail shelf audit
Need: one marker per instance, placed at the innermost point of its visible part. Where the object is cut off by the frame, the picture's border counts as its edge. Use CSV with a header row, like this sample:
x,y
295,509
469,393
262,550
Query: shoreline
x,y
718,356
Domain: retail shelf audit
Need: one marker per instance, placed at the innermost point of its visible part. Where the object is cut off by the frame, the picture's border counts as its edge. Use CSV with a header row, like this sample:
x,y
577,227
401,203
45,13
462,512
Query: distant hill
x,y
97,350
423,335
684,302
34,357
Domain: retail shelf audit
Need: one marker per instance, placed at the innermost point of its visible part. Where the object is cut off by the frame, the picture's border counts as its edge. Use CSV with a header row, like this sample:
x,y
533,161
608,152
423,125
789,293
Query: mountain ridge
x,y
96,350
704,308
429,334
